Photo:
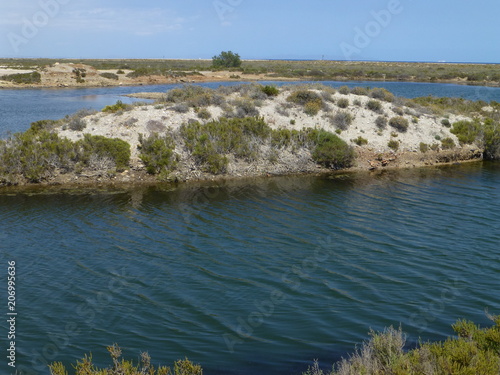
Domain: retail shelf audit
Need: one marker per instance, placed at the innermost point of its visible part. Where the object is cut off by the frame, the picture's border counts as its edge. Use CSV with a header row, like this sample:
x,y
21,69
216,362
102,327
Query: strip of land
x,y
28,73
195,133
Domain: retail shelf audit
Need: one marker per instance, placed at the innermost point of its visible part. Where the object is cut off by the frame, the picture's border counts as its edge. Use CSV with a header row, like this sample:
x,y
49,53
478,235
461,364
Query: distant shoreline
x,y
63,73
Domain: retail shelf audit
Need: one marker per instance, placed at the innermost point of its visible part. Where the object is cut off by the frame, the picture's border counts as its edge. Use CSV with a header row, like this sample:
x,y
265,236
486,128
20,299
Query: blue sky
x,y
388,30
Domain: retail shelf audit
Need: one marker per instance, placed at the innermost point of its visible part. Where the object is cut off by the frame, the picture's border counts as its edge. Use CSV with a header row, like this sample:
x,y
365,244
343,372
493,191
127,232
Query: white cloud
x,y
128,21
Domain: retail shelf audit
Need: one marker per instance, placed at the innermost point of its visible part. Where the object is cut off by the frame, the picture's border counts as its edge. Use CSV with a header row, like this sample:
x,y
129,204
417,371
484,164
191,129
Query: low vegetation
x,y
120,366
23,78
37,154
399,123
475,350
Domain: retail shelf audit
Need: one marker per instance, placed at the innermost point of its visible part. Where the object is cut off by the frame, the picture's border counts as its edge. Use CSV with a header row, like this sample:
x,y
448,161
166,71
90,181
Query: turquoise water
x,y
257,276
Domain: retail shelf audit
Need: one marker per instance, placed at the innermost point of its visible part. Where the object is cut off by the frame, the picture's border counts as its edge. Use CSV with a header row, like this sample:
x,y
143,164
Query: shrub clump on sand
x,y
342,119
374,105
399,123
310,100
210,143
118,107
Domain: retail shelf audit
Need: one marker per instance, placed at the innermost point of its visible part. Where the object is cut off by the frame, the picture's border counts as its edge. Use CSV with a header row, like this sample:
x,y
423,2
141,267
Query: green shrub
x,y
398,110
34,155
381,122
23,78
119,106
330,150
447,143
382,94
270,90
210,143
116,149
342,120
360,141
374,105
491,139
108,75
204,114
358,90
119,71
226,60
424,147
393,144
43,125
303,96
313,107
399,123
157,153
85,366
180,108
344,90
77,124
475,351
446,122
343,103
466,131
245,107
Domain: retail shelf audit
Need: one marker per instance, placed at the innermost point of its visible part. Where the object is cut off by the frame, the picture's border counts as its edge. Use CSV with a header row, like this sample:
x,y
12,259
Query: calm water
x,y
19,108
260,276
252,277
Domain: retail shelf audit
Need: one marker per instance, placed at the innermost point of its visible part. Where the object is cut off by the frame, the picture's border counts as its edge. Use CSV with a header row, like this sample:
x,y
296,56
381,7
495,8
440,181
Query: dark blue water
x,y
18,108
260,276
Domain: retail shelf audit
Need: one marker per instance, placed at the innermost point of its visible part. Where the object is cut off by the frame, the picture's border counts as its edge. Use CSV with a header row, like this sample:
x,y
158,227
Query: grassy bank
x,y
474,350
479,74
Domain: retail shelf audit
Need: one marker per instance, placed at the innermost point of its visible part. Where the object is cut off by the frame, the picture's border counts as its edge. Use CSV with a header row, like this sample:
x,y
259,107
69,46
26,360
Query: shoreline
x,y
88,185
161,81
68,73
246,131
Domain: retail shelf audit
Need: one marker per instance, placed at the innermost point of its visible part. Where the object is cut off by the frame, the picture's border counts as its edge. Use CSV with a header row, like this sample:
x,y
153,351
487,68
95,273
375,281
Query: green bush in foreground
x,y
329,150
476,350
114,148
466,131
124,367
157,153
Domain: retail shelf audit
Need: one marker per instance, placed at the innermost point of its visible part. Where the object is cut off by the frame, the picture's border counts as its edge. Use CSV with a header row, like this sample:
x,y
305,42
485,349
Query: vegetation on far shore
x,y
474,350
484,74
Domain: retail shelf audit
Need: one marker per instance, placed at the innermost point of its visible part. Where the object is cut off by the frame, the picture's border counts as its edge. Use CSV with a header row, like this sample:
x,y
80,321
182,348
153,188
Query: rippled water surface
x,y
252,277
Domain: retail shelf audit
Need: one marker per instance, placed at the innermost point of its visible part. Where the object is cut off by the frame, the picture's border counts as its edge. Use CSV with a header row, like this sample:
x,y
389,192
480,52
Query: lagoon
x,y
253,276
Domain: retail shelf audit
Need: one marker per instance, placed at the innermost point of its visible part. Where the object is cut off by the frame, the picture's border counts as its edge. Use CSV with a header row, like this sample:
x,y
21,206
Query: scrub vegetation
x,y
126,367
223,128
474,350
488,74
